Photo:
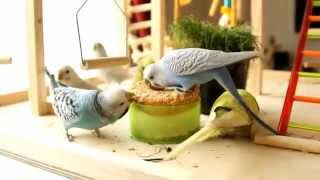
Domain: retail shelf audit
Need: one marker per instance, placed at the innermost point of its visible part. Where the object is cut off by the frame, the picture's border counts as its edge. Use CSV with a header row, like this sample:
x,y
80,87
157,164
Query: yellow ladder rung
x,y
310,127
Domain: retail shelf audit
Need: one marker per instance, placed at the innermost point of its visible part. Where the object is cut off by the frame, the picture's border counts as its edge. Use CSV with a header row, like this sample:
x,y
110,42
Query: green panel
x,y
309,74
316,3
310,127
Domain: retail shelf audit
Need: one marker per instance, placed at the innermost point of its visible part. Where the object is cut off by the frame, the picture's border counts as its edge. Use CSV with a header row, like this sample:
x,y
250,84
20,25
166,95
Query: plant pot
x,y
210,91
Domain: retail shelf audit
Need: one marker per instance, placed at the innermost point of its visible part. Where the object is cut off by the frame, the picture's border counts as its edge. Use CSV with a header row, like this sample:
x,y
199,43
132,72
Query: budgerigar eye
x,y
67,71
151,77
121,104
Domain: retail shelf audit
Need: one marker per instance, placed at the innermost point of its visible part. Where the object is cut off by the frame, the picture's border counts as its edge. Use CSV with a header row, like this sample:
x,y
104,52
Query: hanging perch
x,y
102,62
5,60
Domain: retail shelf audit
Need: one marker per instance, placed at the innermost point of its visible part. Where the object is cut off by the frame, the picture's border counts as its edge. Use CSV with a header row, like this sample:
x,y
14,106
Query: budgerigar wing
x,y
66,104
195,60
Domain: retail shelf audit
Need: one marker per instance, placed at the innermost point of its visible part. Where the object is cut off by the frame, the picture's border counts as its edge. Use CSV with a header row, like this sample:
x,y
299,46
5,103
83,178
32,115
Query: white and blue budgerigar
x,y
88,109
182,69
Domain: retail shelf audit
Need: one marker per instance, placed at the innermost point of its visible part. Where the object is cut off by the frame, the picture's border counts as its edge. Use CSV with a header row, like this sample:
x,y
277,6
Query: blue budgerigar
x,y
182,69
88,109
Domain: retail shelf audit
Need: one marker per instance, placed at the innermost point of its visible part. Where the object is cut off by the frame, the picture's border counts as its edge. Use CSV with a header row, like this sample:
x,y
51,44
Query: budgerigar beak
x,y
153,85
129,96
147,82
60,76
125,112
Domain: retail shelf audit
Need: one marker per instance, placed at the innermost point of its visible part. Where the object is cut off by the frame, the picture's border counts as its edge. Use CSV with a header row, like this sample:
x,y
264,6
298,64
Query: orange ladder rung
x,y
314,18
307,99
311,53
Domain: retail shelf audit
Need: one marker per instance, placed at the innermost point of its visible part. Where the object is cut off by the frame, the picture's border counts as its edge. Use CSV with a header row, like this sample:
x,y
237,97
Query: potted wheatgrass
x,y
189,32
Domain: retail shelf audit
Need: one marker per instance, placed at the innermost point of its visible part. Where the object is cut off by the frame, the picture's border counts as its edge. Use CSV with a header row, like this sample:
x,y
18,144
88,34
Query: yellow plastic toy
x,y
227,10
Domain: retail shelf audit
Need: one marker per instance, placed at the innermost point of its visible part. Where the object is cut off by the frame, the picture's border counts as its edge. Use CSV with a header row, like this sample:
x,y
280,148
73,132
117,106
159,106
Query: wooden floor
x,y
40,138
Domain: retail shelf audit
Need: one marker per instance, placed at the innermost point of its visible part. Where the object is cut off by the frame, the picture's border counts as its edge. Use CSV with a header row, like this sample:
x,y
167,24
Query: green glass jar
x,y
164,124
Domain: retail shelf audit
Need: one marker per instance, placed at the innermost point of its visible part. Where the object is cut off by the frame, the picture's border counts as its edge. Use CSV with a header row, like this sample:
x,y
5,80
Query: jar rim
x,y
147,96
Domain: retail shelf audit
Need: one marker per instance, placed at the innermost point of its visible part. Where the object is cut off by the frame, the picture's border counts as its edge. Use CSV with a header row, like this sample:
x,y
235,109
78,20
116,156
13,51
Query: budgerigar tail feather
x,y
223,77
53,82
234,57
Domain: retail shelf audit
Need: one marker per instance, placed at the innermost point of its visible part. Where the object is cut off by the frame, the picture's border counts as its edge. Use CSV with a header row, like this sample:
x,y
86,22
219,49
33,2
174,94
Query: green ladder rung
x,y
316,3
309,74
304,126
314,33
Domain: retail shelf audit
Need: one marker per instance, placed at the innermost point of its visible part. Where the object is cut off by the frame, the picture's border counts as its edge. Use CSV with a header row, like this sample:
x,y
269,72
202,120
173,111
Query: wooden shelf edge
x,y
5,60
13,98
86,161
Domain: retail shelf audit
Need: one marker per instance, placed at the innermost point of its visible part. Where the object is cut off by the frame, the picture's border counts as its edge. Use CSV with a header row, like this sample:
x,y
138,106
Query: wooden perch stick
x,y
103,62
300,144
5,60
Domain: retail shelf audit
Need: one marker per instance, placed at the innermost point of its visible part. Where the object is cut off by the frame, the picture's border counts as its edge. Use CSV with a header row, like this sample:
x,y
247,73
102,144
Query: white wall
x,y
100,21
280,23
280,20
13,44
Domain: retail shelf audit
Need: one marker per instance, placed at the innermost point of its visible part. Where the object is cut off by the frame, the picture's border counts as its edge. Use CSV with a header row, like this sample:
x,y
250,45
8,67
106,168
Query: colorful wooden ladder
x,y
295,74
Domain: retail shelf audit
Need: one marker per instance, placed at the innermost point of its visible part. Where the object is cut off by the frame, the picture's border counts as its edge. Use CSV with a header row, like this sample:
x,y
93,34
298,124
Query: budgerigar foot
x,y
69,137
98,134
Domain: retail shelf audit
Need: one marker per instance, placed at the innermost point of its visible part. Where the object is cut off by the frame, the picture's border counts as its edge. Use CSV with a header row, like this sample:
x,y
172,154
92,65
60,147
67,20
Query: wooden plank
x,y
158,26
37,88
13,98
140,25
254,83
139,8
125,6
81,161
305,145
176,11
103,62
5,60
233,18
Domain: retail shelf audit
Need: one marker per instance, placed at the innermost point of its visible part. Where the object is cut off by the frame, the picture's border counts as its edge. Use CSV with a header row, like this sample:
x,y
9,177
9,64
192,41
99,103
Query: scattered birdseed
x,y
131,149
169,149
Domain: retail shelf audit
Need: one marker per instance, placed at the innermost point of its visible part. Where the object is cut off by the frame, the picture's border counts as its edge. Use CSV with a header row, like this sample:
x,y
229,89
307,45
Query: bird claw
x,y
98,134
69,137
